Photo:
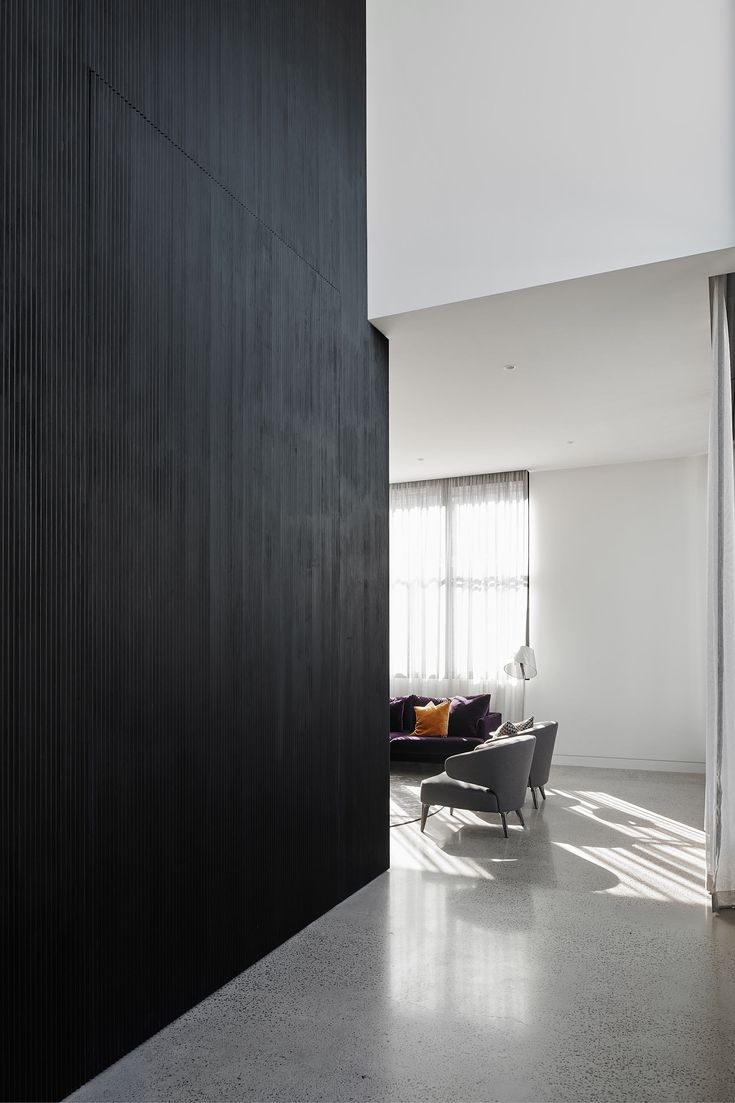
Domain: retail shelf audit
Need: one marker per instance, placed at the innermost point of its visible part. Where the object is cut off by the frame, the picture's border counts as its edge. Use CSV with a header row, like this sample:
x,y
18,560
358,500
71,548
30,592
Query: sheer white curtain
x,y
720,795
459,586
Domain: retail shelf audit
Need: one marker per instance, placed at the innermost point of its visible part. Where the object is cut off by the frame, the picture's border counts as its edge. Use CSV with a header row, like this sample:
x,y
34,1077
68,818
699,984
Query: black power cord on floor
x,y
404,822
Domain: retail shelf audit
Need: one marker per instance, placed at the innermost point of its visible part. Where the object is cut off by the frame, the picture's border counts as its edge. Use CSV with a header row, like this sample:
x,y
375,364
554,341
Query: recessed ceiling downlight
x,y
509,367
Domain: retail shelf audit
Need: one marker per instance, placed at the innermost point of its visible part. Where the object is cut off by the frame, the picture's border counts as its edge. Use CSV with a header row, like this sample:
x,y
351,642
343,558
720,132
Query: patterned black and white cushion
x,y
509,728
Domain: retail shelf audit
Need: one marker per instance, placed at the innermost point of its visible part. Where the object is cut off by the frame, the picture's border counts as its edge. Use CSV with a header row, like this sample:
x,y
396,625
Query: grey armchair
x,y
545,732
492,778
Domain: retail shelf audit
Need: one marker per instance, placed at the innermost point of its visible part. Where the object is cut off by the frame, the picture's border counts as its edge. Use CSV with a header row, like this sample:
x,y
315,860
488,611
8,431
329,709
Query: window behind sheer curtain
x,y
459,584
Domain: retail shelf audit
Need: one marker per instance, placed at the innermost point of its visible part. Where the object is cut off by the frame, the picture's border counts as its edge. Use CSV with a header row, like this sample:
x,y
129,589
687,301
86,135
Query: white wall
x,y
520,142
617,612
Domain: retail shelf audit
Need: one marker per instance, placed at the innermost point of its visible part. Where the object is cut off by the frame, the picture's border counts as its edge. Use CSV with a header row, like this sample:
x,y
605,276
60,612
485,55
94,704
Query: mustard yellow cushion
x,y
432,719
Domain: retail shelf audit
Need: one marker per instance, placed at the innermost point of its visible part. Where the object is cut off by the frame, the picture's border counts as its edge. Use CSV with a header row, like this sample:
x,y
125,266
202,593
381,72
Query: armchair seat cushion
x,y
446,791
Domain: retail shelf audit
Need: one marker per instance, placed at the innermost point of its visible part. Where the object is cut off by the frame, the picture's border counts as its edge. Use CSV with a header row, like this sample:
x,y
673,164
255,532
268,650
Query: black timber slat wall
x,y
194,509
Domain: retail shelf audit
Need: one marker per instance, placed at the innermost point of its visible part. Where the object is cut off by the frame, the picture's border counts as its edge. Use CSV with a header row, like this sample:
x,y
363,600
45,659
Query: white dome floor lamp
x,y
523,666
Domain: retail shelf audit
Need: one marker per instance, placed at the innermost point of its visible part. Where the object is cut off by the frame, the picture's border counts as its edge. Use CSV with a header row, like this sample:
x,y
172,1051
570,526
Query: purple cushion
x,y
396,713
465,712
489,724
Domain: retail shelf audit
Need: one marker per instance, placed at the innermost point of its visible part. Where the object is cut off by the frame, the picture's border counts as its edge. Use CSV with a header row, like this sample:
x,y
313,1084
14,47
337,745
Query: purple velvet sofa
x,y
470,723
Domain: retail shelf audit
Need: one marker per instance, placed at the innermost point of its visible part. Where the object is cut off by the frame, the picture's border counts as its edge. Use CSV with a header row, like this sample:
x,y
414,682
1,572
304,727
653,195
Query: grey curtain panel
x,y
720,720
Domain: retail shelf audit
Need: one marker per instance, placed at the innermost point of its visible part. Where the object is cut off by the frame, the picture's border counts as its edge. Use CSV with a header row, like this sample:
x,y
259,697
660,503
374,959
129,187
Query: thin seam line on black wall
x,y
207,173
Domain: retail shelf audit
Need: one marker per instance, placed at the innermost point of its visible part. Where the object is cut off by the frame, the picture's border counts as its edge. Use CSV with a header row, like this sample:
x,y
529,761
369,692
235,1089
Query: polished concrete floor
x,y
576,960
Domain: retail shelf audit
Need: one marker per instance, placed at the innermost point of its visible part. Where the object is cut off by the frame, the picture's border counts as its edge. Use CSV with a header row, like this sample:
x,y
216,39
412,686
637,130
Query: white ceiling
x,y
517,144
618,363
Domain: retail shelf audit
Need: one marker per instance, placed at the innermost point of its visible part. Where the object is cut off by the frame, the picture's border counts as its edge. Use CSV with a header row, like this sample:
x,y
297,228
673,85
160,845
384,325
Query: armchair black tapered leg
x,y
543,794
520,817
424,814
451,811
505,824
533,794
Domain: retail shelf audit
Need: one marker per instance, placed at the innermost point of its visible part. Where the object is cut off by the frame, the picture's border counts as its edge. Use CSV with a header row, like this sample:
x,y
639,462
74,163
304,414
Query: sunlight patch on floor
x,y
410,849
652,856
663,859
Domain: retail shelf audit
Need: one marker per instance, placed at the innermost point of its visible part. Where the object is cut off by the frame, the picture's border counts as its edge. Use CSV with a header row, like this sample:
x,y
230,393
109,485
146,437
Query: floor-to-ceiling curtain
x,y
459,586
720,794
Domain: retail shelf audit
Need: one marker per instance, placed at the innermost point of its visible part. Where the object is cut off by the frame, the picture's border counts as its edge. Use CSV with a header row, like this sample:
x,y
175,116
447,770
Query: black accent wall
x,y
194,509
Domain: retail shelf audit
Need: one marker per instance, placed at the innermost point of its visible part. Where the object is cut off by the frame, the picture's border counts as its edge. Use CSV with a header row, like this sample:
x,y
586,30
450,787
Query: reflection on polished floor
x,y
576,960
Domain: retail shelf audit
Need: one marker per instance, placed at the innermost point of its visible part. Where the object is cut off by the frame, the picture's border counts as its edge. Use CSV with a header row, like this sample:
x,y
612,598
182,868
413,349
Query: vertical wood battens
x,y
193,649
42,645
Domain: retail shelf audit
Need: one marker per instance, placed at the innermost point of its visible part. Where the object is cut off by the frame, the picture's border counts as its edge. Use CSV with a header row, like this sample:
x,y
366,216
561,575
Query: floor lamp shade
x,y
523,664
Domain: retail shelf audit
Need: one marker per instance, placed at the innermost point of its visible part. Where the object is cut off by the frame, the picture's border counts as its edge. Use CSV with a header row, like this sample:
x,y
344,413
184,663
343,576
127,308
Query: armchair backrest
x,y
502,766
545,732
